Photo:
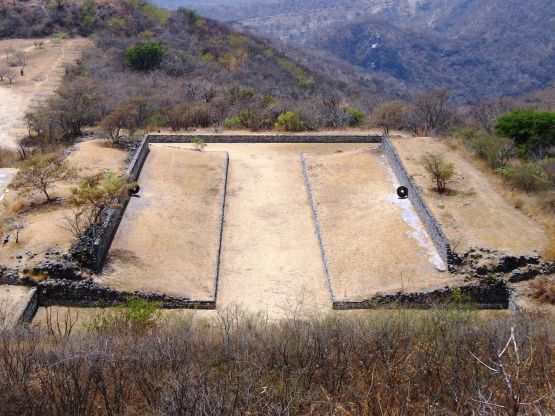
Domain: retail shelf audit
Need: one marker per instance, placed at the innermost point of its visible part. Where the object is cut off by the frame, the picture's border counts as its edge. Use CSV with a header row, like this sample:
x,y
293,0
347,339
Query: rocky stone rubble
x,y
491,265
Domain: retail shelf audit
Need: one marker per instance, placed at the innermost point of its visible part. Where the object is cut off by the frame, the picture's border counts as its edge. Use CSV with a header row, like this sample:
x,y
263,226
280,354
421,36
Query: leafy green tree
x,y
289,121
354,116
531,129
145,56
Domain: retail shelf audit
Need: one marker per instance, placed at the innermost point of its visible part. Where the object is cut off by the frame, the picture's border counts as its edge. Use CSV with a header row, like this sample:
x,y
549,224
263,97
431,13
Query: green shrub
x,y
135,314
198,144
195,19
355,116
233,123
139,311
528,176
549,169
496,151
246,119
289,121
244,95
440,171
532,129
145,56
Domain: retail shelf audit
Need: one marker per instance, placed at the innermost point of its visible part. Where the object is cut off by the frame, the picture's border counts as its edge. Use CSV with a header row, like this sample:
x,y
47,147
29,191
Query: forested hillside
x,y
489,48
202,74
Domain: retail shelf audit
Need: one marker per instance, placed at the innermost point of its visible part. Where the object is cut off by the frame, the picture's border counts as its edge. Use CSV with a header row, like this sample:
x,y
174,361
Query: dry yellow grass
x,y
539,206
543,289
8,158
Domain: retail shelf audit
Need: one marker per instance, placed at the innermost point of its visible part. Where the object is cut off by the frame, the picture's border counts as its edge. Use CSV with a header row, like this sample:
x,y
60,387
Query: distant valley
x,y
476,48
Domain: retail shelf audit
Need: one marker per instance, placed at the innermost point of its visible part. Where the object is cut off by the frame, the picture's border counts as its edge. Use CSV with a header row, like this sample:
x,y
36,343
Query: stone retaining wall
x,y
253,138
318,228
483,296
430,223
220,231
30,310
104,235
86,294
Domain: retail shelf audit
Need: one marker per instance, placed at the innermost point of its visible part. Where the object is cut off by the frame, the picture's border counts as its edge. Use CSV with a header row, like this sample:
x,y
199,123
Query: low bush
x,y
549,169
395,362
354,116
440,171
289,121
543,289
146,56
8,158
528,176
497,152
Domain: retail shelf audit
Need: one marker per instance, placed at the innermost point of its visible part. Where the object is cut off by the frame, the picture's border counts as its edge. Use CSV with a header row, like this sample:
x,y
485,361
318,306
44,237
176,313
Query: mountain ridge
x,y
479,49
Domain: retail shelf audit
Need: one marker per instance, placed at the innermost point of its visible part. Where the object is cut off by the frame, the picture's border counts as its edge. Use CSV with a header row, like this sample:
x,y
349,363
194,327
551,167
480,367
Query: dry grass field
x,y
474,213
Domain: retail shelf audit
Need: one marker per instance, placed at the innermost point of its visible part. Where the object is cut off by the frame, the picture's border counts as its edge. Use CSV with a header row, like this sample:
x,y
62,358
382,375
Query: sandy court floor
x,y
476,215
374,241
42,76
167,240
13,301
270,260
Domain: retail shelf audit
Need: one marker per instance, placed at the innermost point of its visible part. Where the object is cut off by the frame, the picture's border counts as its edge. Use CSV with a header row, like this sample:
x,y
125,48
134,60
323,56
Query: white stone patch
x,y
3,178
410,216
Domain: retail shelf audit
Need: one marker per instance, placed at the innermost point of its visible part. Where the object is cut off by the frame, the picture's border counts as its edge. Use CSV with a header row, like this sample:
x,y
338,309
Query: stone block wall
x,y
252,138
87,294
319,234
113,216
30,310
430,223
220,231
481,296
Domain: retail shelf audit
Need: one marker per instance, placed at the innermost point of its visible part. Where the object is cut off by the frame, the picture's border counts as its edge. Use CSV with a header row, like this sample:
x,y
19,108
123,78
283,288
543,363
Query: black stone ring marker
x,y
402,192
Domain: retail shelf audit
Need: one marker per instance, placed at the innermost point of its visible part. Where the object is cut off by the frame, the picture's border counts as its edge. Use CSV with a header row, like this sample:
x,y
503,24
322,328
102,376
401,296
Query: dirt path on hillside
x,y
375,242
475,215
167,240
43,75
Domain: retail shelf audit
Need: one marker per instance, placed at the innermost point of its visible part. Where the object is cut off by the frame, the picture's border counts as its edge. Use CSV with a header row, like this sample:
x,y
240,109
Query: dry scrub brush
x,y
438,362
543,289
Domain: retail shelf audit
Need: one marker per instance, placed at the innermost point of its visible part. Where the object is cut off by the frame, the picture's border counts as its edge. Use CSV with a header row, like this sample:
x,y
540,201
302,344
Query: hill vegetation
x,y
195,73
478,49
130,362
